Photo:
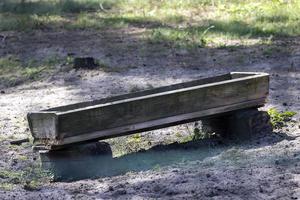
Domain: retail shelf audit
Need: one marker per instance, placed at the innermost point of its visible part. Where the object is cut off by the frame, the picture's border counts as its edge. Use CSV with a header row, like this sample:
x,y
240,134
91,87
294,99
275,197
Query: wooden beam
x,y
150,109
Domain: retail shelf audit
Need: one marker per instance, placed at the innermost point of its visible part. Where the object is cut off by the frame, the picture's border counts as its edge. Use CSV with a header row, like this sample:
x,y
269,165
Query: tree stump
x,y
85,63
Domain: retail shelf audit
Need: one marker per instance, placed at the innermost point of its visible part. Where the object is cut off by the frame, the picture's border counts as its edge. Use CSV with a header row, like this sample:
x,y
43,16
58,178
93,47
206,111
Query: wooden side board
x,y
143,93
150,109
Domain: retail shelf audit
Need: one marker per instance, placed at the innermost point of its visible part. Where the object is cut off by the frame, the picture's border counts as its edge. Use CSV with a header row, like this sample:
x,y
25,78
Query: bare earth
x,y
266,167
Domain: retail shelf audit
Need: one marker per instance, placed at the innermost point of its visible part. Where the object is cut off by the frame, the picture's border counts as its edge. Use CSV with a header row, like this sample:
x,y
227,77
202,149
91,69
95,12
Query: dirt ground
x,y
265,167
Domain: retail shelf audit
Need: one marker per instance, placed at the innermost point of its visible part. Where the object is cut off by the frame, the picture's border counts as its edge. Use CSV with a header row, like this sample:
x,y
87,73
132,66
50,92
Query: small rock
x,y
284,104
208,175
110,188
276,162
2,92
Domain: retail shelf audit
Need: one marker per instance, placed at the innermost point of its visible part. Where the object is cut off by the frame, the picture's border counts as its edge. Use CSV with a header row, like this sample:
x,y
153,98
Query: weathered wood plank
x,y
141,93
160,123
43,124
151,109
156,106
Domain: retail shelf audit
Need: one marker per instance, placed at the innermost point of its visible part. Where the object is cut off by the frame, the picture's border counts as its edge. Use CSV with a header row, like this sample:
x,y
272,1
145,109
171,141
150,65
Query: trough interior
x,y
198,82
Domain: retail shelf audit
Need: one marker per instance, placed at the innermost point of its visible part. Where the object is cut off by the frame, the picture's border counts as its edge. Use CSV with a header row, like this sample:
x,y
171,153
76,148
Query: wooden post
x,y
239,125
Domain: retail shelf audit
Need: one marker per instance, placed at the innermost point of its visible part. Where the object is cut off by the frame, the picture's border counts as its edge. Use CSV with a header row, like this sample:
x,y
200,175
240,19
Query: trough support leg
x,y
246,123
239,125
77,161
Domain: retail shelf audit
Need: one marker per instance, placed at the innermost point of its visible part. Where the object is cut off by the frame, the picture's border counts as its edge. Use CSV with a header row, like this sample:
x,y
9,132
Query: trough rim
x,y
251,76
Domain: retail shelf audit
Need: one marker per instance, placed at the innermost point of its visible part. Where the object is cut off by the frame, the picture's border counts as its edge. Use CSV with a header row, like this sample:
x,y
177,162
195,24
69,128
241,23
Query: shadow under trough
x,y
95,160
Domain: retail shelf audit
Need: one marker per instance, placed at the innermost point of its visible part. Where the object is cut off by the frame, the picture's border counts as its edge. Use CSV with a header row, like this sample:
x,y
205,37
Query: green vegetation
x,y
13,72
197,134
271,50
187,23
279,119
6,186
136,138
31,178
129,144
10,174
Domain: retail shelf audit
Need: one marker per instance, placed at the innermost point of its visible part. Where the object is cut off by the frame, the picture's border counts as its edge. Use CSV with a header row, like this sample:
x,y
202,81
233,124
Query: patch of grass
x,y
134,143
128,144
187,37
13,72
53,6
6,186
271,51
197,134
4,174
279,119
186,139
34,177
181,22
14,147
31,177
136,137
104,21
178,135
22,157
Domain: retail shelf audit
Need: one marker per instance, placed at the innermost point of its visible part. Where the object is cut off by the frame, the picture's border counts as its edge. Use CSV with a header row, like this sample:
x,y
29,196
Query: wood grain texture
x,y
141,93
157,124
43,125
151,109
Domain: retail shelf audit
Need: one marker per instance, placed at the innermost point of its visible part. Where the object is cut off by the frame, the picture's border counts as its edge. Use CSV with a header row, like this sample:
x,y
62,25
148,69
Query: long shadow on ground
x,y
95,160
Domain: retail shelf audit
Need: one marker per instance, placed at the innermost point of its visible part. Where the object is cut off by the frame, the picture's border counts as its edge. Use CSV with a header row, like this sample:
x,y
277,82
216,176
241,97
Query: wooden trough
x,y
148,110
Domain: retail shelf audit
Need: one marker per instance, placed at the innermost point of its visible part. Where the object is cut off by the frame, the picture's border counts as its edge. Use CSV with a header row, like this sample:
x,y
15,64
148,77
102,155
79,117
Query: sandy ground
x,y
266,167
